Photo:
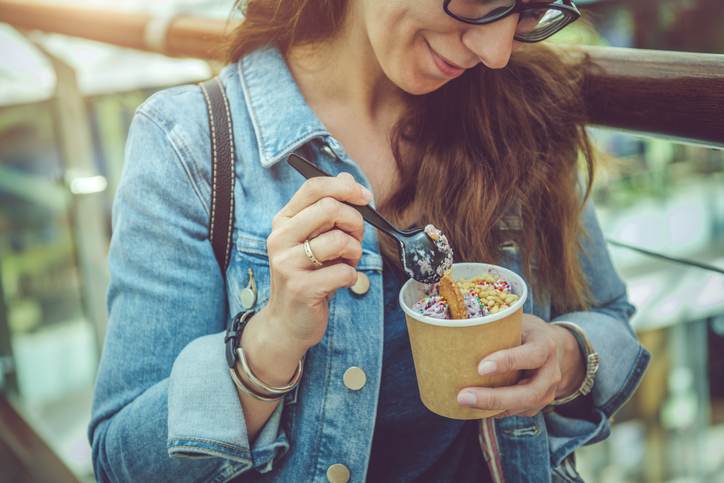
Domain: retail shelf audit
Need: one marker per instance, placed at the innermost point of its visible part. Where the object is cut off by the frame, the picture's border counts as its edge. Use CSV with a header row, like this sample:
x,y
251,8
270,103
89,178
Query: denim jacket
x,y
165,407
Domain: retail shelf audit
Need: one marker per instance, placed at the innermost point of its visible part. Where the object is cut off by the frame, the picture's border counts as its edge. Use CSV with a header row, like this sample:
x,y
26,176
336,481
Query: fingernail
x,y
486,367
466,398
366,193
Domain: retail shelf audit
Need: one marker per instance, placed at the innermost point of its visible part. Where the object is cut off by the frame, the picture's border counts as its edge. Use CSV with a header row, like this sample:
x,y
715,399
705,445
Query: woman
x,y
421,107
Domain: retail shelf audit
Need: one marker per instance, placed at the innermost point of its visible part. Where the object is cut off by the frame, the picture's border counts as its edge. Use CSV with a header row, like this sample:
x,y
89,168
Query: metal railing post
x,y
88,203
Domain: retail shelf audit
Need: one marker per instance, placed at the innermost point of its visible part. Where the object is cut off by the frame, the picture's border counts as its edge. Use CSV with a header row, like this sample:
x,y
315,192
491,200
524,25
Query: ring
x,y
310,254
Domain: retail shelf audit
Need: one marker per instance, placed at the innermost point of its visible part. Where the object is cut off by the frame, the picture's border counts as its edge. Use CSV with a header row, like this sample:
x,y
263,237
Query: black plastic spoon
x,y
425,253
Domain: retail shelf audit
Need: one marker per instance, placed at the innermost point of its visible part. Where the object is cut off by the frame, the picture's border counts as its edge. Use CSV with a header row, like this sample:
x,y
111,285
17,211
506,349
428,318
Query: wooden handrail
x,y
185,36
662,93
672,94
24,456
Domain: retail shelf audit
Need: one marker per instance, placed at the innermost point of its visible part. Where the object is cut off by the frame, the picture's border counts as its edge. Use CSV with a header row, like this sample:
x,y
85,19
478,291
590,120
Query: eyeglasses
x,y
538,19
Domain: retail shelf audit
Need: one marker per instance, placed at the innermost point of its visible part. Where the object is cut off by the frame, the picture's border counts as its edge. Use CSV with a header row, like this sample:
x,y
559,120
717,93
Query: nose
x,y
492,43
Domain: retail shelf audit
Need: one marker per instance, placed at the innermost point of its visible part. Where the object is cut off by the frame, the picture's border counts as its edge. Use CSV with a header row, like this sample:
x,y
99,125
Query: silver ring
x,y
310,254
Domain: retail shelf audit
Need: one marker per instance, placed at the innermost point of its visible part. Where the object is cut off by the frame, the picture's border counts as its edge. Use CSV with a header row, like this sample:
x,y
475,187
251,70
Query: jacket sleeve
x,y
164,406
623,359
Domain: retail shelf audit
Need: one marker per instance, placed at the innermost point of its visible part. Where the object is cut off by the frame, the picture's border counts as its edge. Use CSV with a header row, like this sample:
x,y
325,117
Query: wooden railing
x,y
24,456
671,94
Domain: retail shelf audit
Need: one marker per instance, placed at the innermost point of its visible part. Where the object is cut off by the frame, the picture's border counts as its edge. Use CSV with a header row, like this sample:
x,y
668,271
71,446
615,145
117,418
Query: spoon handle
x,y
310,170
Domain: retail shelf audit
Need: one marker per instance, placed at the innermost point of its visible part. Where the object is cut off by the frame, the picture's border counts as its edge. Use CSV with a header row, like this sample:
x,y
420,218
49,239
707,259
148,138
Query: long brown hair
x,y
486,148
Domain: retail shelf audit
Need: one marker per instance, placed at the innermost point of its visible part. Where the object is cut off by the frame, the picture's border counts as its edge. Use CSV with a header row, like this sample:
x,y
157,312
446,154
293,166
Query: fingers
x,y
319,217
318,284
531,355
526,398
333,245
342,187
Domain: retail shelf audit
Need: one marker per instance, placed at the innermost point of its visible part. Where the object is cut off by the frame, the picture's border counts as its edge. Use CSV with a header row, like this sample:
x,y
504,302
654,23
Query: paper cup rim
x,y
486,319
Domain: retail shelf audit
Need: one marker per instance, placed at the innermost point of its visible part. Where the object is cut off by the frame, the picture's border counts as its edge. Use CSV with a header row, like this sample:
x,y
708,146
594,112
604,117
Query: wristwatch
x,y
592,363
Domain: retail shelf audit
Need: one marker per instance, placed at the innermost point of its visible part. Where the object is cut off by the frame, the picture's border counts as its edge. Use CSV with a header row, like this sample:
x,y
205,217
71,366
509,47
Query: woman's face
x,y
420,47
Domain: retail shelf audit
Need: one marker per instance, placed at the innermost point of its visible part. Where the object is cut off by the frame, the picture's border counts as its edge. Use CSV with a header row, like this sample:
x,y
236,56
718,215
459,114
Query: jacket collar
x,y
281,118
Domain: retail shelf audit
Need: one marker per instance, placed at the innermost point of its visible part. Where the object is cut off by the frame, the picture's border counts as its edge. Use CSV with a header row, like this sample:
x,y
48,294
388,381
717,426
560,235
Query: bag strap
x,y
222,170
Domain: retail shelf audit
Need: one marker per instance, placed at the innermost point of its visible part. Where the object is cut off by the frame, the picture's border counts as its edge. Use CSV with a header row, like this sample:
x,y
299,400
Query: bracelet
x,y
592,362
250,384
246,390
261,387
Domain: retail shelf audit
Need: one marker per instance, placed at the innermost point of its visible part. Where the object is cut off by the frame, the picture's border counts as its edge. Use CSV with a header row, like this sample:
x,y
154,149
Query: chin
x,y
418,85
426,88
413,78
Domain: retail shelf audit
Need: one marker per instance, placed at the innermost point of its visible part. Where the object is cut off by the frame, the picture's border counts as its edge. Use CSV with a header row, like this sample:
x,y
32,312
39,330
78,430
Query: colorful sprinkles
x,y
483,295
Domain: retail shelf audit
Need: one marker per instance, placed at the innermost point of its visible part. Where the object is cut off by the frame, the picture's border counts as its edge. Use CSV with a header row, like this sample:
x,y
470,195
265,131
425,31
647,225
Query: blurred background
x,y
65,106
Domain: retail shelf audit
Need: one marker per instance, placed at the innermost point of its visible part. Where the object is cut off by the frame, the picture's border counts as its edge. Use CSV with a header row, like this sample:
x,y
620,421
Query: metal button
x,y
326,149
248,298
354,378
362,285
248,293
338,473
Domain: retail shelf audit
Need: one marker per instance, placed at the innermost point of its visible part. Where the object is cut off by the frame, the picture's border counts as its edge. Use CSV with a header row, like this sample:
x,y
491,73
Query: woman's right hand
x,y
299,292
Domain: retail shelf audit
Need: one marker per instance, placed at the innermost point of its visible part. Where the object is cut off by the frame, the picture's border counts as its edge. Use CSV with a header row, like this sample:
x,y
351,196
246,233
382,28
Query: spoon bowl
x,y
424,258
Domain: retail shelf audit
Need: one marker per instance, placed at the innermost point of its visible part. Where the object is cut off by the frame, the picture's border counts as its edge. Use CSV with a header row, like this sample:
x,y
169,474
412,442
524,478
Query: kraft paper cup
x,y
447,352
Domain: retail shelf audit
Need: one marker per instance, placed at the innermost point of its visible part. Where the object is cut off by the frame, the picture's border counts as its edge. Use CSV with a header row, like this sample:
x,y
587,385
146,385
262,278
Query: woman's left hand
x,y
553,368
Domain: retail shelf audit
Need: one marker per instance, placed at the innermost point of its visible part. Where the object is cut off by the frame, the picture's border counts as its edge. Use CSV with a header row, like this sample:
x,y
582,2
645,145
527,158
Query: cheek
x,y
397,36
413,70
421,76
405,59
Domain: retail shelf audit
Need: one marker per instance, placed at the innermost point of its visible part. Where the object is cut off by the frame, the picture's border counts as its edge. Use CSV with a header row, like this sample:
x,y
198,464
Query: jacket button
x,y
338,473
354,378
362,285
326,149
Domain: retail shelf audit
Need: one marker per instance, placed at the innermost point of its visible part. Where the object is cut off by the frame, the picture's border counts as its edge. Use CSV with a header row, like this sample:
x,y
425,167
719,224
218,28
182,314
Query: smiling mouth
x,y
451,64
446,67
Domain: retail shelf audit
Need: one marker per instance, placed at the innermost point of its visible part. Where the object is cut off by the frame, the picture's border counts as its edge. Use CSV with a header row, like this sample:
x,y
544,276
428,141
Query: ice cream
x,y
429,265
466,298
443,245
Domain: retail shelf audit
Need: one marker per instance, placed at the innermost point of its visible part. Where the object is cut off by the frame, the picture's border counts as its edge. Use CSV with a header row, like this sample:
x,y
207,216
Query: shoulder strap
x,y
222,170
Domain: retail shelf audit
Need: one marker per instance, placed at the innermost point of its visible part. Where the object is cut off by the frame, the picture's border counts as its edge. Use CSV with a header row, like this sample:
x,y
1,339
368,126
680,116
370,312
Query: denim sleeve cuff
x,y
565,433
623,363
623,358
205,417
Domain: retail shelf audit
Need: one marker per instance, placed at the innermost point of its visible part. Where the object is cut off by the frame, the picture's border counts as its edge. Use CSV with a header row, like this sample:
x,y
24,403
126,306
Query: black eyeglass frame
x,y
569,9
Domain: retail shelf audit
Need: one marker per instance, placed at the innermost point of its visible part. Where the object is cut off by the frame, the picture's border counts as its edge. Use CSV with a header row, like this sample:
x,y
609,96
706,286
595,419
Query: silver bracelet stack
x,y
242,375
253,386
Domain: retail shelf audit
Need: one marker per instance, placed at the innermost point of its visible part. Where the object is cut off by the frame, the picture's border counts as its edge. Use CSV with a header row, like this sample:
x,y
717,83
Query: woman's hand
x,y
553,368
297,310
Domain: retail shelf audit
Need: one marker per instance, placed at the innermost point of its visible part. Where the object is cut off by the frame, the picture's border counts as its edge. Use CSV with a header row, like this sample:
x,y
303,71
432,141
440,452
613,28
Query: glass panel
x,y
53,347
667,198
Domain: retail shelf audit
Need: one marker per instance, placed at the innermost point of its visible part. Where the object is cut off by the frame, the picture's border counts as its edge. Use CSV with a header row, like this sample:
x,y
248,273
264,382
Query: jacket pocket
x,y
249,253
